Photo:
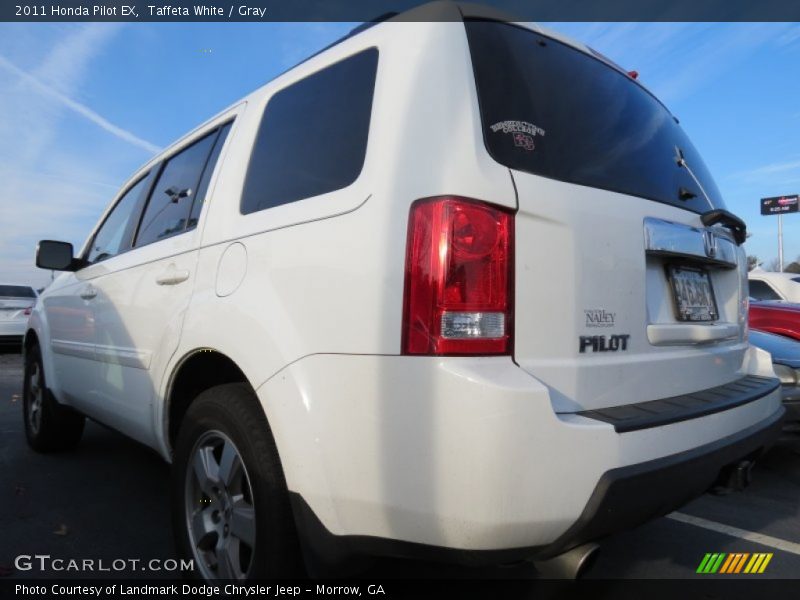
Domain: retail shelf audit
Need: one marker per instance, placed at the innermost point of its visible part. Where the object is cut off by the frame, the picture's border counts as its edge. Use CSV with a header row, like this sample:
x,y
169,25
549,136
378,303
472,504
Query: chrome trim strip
x,y
79,349
712,245
666,334
127,357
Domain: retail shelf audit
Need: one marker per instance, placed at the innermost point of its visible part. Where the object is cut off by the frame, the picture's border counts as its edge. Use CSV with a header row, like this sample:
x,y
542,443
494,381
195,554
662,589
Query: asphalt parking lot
x,y
109,499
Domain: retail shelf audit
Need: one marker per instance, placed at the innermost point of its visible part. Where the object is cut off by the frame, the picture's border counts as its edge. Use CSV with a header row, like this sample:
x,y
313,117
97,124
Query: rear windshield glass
x,y
762,291
551,110
16,291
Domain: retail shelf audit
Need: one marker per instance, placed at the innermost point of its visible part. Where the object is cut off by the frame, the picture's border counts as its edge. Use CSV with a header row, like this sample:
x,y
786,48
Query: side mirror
x,y
56,256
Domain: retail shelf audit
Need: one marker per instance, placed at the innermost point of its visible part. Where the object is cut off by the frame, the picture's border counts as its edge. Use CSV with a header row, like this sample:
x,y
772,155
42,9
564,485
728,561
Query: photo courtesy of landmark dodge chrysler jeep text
x,y
353,309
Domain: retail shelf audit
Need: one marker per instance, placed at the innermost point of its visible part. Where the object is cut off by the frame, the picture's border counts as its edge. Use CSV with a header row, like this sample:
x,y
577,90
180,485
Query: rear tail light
x,y
27,312
459,278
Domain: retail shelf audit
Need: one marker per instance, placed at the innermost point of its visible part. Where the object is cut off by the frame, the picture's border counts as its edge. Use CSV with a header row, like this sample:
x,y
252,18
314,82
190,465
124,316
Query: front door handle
x,y
88,293
172,277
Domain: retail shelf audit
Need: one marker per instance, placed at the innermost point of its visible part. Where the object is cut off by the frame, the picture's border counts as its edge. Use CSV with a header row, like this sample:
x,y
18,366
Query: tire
x,y
237,524
49,427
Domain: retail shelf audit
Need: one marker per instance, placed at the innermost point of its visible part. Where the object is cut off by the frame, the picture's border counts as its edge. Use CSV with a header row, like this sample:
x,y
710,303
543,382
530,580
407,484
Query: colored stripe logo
x,y
734,563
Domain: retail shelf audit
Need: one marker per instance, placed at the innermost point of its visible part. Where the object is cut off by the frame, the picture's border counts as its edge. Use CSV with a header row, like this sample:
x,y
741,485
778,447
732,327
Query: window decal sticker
x,y
522,132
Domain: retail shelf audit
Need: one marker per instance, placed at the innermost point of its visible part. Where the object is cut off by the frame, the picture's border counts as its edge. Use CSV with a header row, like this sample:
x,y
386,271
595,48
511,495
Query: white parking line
x,y
750,536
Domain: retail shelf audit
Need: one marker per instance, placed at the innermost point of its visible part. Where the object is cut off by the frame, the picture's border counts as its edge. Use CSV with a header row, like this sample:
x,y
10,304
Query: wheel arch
x,y
197,371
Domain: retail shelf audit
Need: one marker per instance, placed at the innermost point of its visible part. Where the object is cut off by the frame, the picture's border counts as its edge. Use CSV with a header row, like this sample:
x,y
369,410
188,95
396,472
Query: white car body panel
x,y
785,285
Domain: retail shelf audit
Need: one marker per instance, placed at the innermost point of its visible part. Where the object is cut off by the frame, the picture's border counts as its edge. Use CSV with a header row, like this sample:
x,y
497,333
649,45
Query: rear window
x,y
17,291
551,110
313,136
761,290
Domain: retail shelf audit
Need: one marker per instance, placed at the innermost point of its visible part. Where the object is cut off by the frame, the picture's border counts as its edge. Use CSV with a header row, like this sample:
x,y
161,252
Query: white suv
x,y
458,289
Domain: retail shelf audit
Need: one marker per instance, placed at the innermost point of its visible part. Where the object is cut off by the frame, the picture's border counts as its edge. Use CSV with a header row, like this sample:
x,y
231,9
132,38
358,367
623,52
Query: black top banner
x,y
370,10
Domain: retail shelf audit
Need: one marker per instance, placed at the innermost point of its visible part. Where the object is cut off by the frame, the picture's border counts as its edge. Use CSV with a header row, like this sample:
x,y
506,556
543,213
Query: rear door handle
x,y
88,293
172,277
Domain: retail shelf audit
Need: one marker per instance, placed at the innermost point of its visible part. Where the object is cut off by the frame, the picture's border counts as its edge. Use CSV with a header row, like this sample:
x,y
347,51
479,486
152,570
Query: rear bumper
x,y
11,332
622,499
629,496
10,340
419,456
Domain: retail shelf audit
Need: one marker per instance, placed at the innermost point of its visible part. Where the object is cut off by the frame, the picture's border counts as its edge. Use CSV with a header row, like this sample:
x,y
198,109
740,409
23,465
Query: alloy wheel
x,y
220,517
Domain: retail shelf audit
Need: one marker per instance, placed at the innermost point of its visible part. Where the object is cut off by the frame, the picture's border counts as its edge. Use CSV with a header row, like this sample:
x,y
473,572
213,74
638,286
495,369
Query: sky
x,y
84,105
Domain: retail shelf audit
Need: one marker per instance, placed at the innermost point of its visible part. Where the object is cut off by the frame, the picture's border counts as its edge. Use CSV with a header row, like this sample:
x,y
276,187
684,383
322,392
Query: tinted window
x,y
760,290
170,202
202,189
554,111
313,135
796,279
17,291
115,235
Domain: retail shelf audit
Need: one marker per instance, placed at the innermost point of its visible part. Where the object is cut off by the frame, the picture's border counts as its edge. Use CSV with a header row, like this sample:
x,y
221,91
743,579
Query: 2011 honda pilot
x,y
455,288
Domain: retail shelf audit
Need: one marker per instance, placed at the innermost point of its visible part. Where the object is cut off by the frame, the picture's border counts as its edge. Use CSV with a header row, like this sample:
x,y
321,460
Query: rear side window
x,y
116,232
202,188
761,290
170,204
551,110
17,291
313,135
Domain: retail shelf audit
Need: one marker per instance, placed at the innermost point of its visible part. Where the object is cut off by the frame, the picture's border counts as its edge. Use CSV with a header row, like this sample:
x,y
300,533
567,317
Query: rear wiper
x,y
715,215
680,159
727,219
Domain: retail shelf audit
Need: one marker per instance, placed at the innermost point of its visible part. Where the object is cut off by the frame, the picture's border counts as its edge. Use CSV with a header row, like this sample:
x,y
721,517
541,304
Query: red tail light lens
x,y
27,312
459,278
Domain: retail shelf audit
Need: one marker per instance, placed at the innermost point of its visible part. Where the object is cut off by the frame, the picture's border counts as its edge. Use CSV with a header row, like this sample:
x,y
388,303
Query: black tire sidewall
x,y
60,427
32,356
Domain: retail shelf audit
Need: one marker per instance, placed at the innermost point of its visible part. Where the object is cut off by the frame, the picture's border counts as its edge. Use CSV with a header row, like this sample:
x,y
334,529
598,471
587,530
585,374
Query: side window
x,y
114,235
761,290
202,189
313,135
170,203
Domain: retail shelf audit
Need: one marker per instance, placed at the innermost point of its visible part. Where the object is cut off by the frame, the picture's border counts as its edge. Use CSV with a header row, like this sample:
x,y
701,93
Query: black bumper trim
x,y
655,413
623,498
10,340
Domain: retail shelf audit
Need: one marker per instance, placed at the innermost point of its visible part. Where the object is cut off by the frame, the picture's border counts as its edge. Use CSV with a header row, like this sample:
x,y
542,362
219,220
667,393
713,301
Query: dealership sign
x,y
779,205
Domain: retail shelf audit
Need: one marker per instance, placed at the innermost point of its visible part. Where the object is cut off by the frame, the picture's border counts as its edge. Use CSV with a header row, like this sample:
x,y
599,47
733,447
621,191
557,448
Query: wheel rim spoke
x,y
229,464
243,523
206,469
35,394
202,528
228,559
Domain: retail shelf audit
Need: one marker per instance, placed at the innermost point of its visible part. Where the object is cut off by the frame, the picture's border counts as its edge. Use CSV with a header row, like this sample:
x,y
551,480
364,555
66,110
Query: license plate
x,y
694,294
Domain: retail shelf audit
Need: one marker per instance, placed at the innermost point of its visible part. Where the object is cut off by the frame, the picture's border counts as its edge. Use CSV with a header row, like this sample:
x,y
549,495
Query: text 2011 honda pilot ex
x,y
459,289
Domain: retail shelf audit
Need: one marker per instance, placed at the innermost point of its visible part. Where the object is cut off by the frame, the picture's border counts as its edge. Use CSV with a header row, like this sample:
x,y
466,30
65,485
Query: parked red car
x,y
775,316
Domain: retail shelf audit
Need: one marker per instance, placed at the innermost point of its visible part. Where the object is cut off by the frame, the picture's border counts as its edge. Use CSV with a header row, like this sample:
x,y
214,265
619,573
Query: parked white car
x,y
16,302
766,285
445,289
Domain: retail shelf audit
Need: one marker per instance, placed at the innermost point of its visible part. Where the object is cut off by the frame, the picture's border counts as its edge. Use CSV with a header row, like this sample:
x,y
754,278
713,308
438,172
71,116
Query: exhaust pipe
x,y
734,478
570,565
